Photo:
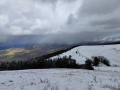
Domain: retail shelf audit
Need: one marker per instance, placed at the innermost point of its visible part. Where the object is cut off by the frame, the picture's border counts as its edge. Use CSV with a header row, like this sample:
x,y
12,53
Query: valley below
x,y
25,53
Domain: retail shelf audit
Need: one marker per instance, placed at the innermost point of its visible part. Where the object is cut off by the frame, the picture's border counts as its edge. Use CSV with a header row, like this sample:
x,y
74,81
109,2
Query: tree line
x,y
64,62
39,63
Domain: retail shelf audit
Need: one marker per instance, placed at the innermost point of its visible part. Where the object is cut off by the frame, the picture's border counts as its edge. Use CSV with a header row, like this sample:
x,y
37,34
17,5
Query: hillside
x,y
28,52
101,78
80,53
61,79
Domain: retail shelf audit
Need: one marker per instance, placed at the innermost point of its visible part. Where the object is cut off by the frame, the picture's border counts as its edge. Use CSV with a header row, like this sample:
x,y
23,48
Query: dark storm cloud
x,y
99,7
108,24
97,16
57,21
111,22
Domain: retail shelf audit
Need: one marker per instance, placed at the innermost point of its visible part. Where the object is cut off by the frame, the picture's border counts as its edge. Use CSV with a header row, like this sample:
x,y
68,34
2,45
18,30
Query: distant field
x,y
27,52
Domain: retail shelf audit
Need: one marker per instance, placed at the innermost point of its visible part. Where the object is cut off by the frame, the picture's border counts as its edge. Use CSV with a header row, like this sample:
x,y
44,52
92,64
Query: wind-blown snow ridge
x,y
80,53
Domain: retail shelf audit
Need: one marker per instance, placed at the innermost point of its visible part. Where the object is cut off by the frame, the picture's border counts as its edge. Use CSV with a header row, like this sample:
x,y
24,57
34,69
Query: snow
x,y
60,79
111,52
102,78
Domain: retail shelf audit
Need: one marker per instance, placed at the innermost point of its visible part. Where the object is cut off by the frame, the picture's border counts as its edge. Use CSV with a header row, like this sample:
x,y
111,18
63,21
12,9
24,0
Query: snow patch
x,y
80,53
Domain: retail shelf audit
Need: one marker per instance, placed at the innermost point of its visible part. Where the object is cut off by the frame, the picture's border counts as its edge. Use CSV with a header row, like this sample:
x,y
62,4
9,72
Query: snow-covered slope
x,y
111,52
102,78
61,79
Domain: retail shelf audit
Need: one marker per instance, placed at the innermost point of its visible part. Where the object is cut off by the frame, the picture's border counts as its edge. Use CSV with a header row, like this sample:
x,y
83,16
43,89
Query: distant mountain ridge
x,y
4,46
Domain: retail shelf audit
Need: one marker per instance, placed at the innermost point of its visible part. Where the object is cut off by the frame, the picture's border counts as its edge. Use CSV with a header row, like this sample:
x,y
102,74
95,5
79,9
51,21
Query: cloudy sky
x,y
58,21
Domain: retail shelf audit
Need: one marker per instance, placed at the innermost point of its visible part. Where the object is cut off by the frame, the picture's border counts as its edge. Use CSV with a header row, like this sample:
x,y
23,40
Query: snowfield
x,y
111,52
102,78
61,79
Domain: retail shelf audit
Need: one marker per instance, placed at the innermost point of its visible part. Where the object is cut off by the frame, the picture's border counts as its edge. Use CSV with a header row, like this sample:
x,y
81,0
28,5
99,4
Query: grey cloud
x,y
3,38
54,1
70,1
107,24
65,38
50,1
98,6
58,21
71,19
61,38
